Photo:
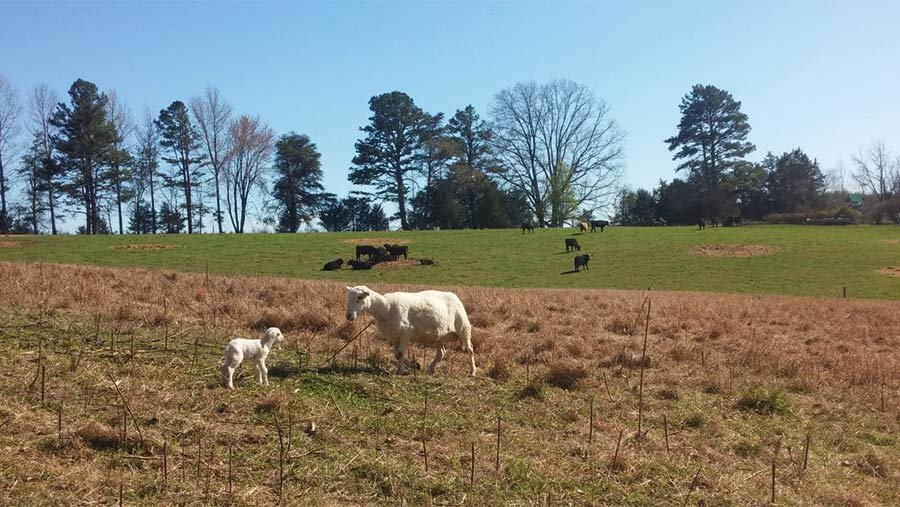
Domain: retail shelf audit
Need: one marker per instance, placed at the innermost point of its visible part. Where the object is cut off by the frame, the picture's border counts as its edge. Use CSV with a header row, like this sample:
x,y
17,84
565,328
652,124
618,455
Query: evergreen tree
x,y
795,184
387,157
298,185
712,137
31,172
178,135
83,140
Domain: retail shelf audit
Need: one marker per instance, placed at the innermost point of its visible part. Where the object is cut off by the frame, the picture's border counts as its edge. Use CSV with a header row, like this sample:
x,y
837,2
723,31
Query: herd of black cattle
x,y
387,253
374,255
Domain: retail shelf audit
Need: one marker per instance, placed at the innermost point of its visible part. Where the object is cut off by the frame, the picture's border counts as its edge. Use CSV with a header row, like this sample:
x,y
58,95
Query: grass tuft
x,y
764,401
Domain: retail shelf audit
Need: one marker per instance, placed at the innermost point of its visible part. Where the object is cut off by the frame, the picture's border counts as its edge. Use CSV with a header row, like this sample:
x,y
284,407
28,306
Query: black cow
x,y
714,221
381,255
572,244
333,265
397,250
598,223
368,250
582,261
701,224
359,264
526,226
426,262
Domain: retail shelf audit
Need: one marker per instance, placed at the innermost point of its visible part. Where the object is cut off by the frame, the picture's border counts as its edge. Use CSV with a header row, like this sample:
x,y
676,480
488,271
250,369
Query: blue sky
x,y
822,76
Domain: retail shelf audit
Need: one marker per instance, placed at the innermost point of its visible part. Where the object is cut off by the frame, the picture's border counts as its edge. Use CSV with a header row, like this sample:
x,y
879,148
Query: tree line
x,y
549,154
711,147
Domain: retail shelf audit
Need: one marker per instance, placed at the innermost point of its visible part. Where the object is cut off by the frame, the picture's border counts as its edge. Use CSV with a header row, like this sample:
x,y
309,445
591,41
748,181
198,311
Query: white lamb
x,y
255,350
427,318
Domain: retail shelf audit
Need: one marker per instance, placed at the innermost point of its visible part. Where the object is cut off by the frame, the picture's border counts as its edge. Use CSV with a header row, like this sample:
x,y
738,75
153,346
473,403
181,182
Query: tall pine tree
x,y
83,140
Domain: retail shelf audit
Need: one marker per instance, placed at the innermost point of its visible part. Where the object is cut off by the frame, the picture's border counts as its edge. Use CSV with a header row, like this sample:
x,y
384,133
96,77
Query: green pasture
x,y
810,261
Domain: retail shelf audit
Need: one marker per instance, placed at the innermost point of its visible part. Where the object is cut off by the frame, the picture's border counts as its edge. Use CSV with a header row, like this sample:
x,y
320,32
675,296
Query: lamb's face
x,y
358,301
274,336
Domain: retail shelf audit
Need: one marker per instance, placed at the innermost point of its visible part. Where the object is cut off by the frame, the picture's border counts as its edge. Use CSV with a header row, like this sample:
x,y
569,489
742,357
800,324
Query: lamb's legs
x,y
227,376
265,373
437,359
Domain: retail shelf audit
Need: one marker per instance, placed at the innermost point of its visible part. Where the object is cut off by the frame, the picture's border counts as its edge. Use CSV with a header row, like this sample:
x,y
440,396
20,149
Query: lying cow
x,y
333,265
572,245
359,264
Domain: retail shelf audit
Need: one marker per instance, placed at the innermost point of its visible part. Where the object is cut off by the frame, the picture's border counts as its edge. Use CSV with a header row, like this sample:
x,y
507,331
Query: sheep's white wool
x,y
253,350
427,318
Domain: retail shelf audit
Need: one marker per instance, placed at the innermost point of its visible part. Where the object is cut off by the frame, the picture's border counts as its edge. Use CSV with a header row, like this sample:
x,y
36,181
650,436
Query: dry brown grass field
x,y
109,392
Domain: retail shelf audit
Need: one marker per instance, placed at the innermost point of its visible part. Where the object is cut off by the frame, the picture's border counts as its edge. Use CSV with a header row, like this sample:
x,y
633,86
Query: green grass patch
x,y
764,401
802,260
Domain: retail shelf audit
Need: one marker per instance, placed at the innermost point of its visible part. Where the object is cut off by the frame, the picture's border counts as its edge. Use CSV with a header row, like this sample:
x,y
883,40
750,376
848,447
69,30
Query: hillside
x,y
793,260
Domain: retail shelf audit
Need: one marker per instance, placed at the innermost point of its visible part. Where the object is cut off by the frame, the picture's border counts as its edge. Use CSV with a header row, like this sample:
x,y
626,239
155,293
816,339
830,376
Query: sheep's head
x,y
273,336
358,300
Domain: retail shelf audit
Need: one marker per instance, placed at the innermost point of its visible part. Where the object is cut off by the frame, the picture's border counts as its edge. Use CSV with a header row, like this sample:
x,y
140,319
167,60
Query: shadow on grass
x,y
569,272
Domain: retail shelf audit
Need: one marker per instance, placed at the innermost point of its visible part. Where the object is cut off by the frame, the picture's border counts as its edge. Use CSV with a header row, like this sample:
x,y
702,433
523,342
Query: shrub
x,y
764,401
565,376
533,389
500,370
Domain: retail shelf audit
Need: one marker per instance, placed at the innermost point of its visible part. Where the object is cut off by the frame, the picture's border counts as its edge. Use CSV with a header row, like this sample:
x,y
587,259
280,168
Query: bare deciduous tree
x,y
40,107
119,158
147,164
542,129
9,117
877,171
252,143
213,115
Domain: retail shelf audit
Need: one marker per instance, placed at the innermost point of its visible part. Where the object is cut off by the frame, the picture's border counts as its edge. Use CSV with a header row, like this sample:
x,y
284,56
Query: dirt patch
x,y
10,244
891,271
146,247
376,241
727,250
893,241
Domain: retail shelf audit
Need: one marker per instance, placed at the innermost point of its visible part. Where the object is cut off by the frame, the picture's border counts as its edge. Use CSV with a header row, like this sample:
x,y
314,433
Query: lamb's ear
x,y
349,287
364,295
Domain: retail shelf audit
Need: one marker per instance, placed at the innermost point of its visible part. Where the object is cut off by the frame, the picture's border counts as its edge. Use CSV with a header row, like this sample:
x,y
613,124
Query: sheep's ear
x,y
349,287
364,295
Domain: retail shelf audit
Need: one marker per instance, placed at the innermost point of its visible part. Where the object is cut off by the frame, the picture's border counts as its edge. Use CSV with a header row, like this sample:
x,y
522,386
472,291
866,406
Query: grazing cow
x,y
381,255
255,350
701,224
582,227
582,261
714,221
333,265
572,245
359,264
598,223
526,226
397,250
428,318
367,250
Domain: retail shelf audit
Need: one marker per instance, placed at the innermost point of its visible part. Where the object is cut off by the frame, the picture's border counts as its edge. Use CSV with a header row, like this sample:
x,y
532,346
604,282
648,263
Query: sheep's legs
x,y
227,376
398,355
437,359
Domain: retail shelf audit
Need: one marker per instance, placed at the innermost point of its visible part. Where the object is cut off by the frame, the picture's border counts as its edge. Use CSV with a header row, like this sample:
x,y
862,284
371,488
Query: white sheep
x,y
427,318
255,350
